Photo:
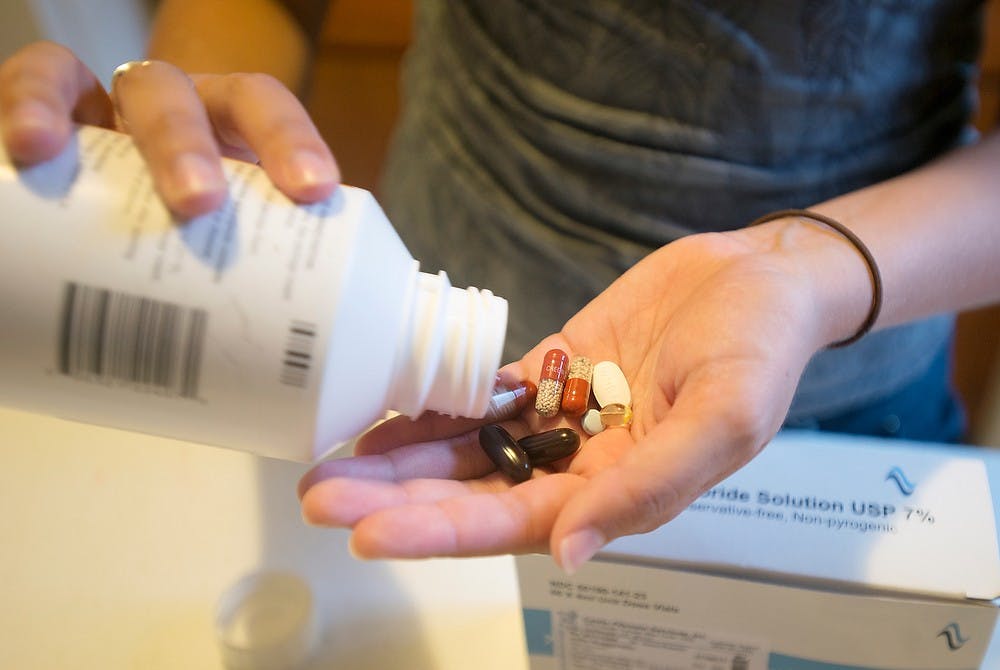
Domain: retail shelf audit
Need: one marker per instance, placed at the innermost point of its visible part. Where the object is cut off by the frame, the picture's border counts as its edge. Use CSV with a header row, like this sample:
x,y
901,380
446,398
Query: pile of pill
x,y
566,385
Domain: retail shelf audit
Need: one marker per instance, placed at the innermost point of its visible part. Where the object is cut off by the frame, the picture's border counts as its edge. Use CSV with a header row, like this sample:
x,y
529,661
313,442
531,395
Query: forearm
x,y
934,232
222,36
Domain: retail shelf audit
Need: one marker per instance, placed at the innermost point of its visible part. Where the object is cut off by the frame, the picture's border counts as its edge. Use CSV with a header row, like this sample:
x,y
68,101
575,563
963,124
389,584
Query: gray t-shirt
x,y
545,147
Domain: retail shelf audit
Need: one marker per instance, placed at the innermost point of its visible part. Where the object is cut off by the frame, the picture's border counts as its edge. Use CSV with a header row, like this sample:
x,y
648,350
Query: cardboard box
x,y
823,553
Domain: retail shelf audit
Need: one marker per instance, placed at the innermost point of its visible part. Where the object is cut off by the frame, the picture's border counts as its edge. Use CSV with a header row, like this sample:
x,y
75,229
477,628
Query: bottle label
x,y
212,330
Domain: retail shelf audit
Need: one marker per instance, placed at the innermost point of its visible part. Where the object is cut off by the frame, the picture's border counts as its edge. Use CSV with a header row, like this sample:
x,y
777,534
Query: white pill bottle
x,y
272,328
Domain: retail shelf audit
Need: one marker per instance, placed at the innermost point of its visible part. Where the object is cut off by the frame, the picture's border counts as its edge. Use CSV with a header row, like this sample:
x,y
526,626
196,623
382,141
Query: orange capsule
x,y
576,394
550,384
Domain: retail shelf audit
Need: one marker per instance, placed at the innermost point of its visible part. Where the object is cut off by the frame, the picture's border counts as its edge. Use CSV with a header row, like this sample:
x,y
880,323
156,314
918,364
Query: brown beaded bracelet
x,y
876,276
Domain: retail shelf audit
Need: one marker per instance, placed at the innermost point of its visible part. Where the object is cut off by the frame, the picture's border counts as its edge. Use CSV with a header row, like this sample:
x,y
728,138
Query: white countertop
x,y
117,547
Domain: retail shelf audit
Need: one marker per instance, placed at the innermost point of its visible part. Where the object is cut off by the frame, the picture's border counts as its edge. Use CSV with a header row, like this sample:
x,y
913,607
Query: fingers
x,y
43,89
700,442
517,520
635,496
178,126
161,109
455,458
256,112
343,502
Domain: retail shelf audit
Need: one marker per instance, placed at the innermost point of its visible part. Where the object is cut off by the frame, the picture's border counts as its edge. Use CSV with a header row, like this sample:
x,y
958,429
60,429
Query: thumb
x,y
661,475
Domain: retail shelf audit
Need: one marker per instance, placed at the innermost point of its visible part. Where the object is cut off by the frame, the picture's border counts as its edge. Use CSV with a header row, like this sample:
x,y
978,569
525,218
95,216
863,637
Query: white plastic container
x,y
273,328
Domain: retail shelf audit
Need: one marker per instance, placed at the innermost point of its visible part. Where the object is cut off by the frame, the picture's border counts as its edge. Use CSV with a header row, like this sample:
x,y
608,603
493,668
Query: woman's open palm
x,y
712,335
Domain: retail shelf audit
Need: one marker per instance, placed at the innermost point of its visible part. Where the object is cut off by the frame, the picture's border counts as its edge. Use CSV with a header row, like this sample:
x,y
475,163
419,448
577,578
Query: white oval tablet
x,y
609,385
591,422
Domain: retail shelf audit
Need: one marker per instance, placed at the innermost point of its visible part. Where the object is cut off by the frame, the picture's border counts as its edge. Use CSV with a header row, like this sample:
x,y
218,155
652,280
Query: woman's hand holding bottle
x,y
181,123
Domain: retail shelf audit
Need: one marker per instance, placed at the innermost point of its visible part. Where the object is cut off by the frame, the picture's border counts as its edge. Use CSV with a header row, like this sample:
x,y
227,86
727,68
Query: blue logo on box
x,y
953,634
906,487
538,631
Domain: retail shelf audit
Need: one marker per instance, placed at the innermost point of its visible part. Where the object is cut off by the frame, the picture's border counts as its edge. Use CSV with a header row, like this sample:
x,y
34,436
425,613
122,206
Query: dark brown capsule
x,y
550,446
503,450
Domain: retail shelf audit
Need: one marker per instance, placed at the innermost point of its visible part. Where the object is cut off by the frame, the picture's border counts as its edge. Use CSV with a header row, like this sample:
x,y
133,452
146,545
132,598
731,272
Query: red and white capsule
x,y
555,367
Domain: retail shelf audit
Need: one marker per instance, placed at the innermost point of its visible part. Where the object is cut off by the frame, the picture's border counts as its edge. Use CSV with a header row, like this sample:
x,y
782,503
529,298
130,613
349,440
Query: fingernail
x,y
193,177
128,66
30,115
578,548
309,169
352,549
308,515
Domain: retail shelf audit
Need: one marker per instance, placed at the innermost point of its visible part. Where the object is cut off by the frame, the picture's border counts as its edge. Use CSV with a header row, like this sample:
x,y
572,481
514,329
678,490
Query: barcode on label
x,y
298,353
113,337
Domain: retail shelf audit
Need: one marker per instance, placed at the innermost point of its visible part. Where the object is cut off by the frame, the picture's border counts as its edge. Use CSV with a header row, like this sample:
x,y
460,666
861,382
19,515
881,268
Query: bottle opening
x,y
455,344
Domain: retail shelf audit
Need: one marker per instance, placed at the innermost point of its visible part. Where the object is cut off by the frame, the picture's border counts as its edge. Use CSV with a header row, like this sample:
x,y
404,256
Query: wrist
x,y
833,265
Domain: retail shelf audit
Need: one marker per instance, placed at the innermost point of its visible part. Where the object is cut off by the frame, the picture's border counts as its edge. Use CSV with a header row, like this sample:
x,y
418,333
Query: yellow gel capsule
x,y
616,415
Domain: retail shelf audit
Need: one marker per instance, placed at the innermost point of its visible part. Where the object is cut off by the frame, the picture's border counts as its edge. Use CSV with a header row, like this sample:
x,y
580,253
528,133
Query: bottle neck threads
x,y
451,349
